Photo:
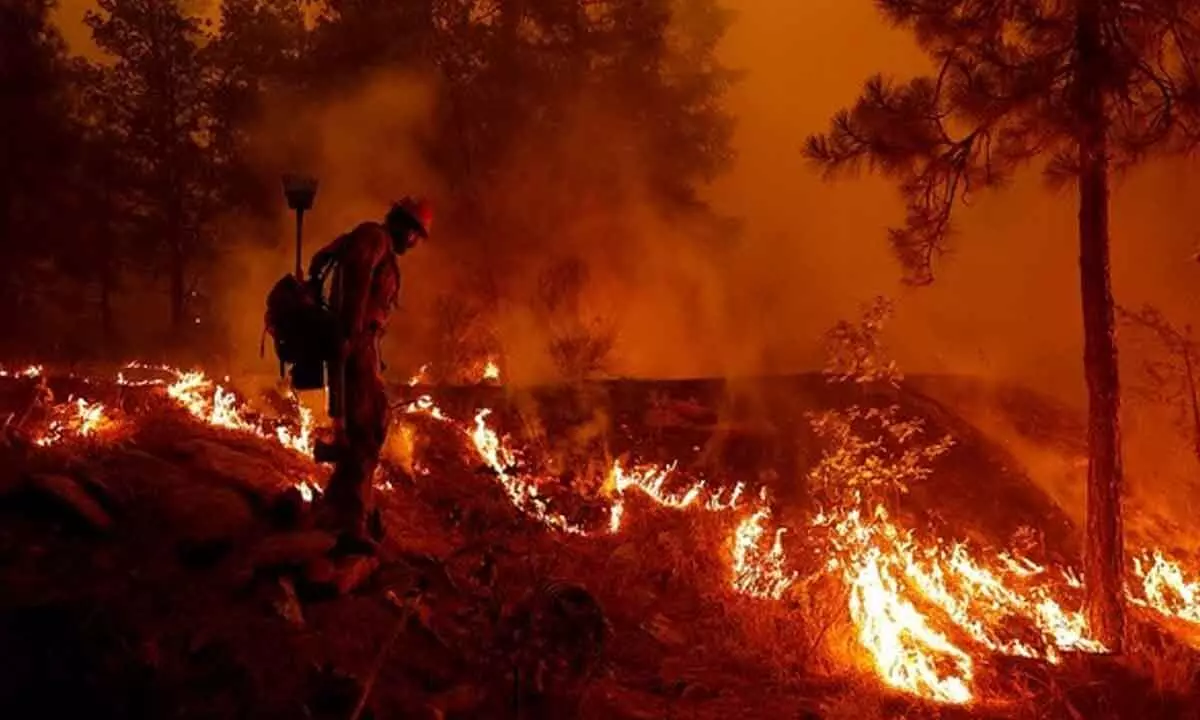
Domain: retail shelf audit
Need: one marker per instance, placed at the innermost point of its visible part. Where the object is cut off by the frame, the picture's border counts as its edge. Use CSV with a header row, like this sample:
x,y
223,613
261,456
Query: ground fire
x,y
926,611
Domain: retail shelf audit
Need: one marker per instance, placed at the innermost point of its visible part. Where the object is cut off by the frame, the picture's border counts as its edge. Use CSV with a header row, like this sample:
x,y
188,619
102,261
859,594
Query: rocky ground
x,y
170,573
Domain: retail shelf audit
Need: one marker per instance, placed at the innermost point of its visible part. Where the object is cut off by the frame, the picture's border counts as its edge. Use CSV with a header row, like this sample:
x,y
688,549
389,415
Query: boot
x,y
352,529
327,453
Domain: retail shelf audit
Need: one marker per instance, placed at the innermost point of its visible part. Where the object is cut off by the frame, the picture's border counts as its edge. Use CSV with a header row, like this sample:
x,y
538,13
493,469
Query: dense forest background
x,y
141,213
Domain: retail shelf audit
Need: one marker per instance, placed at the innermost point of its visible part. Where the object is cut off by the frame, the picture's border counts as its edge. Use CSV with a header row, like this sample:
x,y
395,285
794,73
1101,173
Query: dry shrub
x,y
579,345
1171,665
861,701
462,339
855,352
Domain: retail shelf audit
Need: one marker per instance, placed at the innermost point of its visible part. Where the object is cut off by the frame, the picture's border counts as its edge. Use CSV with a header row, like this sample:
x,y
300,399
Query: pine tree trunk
x,y
178,292
106,313
1104,547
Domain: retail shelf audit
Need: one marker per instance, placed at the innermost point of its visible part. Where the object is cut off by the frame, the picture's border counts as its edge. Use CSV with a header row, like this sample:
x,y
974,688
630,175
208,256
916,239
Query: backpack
x,y
303,329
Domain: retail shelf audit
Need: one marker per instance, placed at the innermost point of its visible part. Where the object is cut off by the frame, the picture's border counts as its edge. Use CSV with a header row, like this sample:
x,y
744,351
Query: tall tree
x,y
36,146
158,108
257,49
91,253
515,75
1089,86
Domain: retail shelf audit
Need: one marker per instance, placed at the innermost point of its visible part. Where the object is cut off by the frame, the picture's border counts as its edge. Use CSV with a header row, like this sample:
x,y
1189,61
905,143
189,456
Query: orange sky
x,y
1006,303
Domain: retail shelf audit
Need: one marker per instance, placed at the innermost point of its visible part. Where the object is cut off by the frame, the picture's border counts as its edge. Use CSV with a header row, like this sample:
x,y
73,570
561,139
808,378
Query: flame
x,y
76,418
491,371
757,571
31,371
308,491
207,401
421,377
216,405
923,610
524,495
1165,588
910,599
425,405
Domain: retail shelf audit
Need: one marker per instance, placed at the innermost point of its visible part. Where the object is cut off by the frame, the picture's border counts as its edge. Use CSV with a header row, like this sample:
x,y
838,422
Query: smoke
x,y
1005,305
362,148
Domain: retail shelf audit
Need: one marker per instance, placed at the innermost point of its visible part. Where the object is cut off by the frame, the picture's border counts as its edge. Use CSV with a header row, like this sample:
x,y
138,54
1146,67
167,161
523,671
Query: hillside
x,y
157,563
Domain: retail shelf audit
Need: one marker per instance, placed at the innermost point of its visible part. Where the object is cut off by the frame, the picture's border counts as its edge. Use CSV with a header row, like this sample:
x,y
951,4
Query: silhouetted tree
x,y
257,50
95,198
1088,85
36,147
157,106
1170,368
353,38
515,74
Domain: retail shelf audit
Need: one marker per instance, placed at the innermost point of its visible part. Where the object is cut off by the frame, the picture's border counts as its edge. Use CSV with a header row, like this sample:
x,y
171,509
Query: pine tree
x,y
1086,86
157,106
257,51
37,143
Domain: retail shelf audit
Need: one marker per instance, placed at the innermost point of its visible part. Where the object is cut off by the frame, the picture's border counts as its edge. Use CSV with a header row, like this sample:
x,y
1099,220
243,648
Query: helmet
x,y
416,212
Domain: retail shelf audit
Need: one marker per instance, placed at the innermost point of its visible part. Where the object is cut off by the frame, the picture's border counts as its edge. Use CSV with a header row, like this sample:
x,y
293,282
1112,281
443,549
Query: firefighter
x,y
363,293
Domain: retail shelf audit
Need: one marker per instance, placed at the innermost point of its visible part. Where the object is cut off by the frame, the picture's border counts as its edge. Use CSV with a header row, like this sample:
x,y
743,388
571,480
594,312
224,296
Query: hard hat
x,y
413,211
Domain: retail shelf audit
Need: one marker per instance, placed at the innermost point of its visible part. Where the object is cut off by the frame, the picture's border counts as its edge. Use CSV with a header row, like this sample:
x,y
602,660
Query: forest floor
x,y
168,570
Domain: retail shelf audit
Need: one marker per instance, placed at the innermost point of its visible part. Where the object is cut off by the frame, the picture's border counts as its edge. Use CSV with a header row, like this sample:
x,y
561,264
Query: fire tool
x,y
300,191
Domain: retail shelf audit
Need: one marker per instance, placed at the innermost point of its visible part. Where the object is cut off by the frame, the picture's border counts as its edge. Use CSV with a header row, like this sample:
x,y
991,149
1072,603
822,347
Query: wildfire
x,y
920,608
421,377
76,418
1165,589
29,372
759,571
923,610
216,405
652,480
523,495
207,401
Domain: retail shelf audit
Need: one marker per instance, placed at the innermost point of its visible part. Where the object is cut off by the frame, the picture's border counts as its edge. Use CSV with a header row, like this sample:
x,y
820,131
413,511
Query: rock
x,y
204,514
325,579
203,553
296,548
134,477
320,571
244,471
72,496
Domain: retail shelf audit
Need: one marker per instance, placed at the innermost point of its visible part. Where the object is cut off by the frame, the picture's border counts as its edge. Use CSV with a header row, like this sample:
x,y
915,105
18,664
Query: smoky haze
x,y
1005,304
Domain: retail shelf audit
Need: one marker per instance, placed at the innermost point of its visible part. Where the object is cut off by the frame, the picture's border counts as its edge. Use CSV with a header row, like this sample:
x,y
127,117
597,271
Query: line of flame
x,y
920,609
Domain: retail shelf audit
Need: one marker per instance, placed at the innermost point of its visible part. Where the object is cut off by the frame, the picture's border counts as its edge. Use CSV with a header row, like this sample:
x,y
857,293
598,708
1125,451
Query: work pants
x,y
358,399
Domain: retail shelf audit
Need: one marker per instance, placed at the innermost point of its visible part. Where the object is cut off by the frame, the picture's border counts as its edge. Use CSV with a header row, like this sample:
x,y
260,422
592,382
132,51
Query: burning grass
x,y
929,615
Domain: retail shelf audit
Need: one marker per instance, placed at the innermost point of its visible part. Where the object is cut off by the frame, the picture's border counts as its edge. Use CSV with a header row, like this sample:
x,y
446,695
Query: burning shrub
x,y
872,454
